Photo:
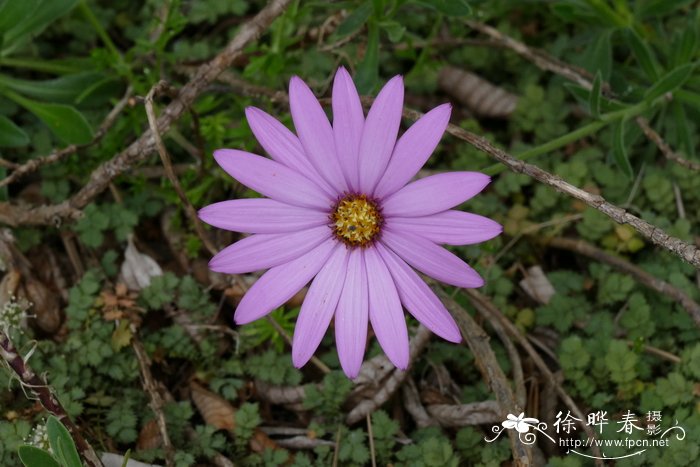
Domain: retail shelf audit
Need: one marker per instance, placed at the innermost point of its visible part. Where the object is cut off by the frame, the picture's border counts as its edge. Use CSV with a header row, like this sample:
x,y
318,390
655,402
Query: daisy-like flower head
x,y
341,210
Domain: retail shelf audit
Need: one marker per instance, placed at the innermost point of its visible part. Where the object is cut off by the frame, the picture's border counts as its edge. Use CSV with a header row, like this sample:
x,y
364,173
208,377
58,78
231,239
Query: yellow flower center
x,y
356,220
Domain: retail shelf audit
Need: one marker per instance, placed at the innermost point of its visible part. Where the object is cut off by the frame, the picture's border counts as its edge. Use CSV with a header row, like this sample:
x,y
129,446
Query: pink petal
x,y
315,133
261,215
282,145
351,315
413,149
385,312
450,227
348,120
379,133
280,283
418,299
272,179
431,259
318,307
262,251
434,194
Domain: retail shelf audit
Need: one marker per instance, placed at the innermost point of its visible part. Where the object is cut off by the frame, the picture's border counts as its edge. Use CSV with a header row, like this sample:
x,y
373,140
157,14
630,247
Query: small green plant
x,y
61,451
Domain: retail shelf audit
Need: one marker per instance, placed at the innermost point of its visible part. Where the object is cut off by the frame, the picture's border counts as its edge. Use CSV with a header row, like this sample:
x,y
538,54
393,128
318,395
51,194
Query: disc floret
x,y
356,220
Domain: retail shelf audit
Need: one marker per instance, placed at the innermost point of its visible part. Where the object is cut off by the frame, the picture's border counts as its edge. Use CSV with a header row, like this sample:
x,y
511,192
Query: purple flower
x,y
341,209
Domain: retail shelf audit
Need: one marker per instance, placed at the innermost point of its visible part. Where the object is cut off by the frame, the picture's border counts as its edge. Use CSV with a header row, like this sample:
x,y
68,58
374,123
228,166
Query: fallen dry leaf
x,y
215,410
138,268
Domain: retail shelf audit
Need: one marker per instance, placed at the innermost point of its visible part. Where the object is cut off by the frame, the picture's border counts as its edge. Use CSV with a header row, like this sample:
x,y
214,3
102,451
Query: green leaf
x,y
64,90
573,11
68,452
11,136
619,149
621,362
354,21
685,42
674,389
368,70
688,97
670,81
62,443
594,97
449,7
684,134
247,419
12,13
598,57
64,121
643,54
657,8
32,20
353,448
34,457
393,29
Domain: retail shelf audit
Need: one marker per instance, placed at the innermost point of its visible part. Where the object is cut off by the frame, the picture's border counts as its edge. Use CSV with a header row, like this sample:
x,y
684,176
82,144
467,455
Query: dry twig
x,y
584,248
539,58
413,405
684,250
474,413
144,146
665,149
168,166
151,387
370,435
45,394
579,76
486,308
58,155
478,342
392,382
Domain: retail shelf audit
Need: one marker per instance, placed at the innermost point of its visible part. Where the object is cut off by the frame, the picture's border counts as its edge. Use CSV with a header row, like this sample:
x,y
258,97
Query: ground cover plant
x,y
118,341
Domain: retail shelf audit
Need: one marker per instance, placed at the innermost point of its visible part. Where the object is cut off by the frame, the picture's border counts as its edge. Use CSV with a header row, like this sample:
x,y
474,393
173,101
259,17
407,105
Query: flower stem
x,y
95,23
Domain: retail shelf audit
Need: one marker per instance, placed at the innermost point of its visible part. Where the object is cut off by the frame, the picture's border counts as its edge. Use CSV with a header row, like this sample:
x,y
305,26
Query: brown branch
x,y
414,406
168,166
539,58
151,387
582,77
31,381
518,377
144,146
392,383
665,149
640,275
58,155
370,435
658,236
490,312
474,413
478,342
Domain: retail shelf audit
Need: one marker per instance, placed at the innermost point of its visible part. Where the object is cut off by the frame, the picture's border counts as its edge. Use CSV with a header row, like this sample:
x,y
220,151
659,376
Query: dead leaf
x,y
260,441
215,410
45,305
149,437
113,315
121,337
138,268
537,286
